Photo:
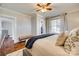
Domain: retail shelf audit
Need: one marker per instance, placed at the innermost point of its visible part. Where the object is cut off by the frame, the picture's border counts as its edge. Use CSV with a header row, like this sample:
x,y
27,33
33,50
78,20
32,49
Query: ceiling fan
x,y
43,7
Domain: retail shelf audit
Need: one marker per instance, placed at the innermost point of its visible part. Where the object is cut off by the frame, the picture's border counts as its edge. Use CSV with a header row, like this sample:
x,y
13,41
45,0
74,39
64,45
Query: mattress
x,y
46,47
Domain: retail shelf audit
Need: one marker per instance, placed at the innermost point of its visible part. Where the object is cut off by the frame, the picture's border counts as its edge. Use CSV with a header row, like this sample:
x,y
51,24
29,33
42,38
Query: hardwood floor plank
x,y
17,46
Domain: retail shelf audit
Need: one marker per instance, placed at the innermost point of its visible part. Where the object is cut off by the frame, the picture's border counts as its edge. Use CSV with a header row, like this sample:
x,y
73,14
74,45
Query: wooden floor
x,y
17,46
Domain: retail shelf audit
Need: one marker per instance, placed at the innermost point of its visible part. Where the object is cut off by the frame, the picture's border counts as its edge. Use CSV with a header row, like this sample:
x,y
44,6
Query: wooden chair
x,y
6,46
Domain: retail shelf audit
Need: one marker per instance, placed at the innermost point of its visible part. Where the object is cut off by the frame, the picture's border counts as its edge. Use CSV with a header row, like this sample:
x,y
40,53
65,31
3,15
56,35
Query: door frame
x,y
11,19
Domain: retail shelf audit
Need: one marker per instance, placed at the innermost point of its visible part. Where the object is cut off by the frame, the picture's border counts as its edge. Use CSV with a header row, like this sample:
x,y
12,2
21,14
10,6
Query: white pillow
x,y
73,31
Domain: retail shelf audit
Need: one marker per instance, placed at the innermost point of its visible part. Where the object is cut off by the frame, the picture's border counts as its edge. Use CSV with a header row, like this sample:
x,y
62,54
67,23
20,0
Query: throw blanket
x,y
31,41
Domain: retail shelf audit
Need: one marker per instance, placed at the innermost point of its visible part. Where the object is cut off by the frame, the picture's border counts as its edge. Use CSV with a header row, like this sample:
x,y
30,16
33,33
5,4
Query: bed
x,y
47,46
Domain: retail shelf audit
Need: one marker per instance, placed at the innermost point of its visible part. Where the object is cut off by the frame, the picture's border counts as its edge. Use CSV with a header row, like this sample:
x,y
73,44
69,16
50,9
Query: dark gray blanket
x,y
31,41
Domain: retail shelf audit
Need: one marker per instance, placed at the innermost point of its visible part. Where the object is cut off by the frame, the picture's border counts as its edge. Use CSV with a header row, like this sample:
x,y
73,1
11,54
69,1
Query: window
x,y
55,25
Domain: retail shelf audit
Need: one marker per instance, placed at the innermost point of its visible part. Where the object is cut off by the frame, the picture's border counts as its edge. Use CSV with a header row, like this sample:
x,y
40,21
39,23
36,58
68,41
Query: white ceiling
x,y
29,8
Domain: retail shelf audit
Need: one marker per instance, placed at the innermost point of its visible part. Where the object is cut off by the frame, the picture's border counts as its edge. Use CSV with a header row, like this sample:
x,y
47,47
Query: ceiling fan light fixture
x,y
43,10
43,7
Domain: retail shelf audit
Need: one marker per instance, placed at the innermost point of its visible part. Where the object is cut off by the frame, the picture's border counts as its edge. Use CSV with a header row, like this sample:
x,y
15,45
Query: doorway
x,y
8,27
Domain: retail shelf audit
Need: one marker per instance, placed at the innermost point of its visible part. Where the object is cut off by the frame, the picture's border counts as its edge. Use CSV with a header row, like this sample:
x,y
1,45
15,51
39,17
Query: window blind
x,y
56,24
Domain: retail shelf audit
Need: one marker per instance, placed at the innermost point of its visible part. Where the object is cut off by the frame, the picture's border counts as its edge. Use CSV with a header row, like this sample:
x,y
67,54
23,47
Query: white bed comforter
x,y
47,47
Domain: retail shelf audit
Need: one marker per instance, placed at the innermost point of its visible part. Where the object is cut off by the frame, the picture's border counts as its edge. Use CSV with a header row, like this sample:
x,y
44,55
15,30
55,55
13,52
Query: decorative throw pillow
x,y
72,38
74,34
61,39
68,45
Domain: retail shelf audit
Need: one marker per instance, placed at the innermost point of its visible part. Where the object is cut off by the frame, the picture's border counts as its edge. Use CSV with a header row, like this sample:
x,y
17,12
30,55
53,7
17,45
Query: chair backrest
x,y
2,41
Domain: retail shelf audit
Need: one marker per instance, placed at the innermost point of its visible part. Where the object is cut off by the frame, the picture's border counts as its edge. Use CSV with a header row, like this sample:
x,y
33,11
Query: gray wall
x,y
73,20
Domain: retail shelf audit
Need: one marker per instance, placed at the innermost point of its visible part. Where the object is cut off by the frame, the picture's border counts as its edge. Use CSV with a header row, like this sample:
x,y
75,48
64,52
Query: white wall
x,y
33,24
23,25
23,22
73,20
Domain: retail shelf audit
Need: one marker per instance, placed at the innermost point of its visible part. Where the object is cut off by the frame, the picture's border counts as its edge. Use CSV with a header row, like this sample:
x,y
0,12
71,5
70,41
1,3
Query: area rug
x,y
16,53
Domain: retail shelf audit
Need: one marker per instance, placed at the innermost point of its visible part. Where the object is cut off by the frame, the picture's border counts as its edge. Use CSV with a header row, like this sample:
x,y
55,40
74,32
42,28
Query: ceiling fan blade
x,y
49,8
48,4
39,5
38,10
